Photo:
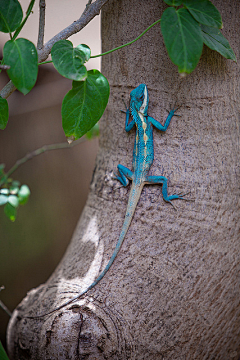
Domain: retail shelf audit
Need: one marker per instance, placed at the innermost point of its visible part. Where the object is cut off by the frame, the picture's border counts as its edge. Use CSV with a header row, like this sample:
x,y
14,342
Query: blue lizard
x,y
143,155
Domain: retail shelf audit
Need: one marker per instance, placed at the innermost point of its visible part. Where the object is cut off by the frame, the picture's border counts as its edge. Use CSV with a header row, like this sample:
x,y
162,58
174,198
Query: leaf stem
x,y
117,48
45,62
30,6
129,43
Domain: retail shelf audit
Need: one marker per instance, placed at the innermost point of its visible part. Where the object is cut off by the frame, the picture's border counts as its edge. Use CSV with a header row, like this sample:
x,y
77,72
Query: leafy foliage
x,y
12,194
84,105
21,55
187,28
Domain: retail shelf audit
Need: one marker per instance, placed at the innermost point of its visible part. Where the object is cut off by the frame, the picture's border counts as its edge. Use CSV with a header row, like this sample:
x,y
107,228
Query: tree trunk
x,y
173,291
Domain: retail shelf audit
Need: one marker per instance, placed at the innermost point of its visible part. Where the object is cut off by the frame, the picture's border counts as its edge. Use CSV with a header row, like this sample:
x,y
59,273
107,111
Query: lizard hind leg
x,y
163,180
124,175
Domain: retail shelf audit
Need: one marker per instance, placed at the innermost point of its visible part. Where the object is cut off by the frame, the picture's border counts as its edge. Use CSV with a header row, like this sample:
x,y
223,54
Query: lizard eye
x,y
141,97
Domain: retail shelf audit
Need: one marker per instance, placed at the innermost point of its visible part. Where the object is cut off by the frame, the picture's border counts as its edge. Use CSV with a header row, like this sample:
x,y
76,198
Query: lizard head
x,y
139,99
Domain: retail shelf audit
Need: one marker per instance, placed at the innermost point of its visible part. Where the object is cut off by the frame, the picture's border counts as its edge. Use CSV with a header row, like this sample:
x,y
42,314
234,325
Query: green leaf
x,y
173,2
10,15
21,55
3,355
84,105
215,40
183,38
15,183
14,190
13,200
86,50
94,132
204,12
10,211
4,191
69,61
3,199
3,113
23,194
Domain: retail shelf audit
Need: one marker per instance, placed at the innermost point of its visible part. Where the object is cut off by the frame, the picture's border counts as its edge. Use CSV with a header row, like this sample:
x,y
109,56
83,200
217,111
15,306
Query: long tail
x,y
134,196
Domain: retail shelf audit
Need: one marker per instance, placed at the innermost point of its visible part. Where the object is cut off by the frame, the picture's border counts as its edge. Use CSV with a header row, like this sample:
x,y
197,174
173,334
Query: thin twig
x,y
2,304
39,151
75,27
5,308
42,7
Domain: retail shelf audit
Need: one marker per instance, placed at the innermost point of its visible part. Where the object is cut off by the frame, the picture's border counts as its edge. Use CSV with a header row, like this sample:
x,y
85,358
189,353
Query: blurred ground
x,y
59,180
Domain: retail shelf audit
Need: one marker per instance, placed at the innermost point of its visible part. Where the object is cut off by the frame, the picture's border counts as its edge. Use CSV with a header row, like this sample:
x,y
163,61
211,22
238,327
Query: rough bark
x,y
173,291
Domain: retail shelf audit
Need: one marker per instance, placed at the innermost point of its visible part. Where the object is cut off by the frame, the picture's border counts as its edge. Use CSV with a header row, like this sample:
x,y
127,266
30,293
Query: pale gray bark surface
x,y
173,292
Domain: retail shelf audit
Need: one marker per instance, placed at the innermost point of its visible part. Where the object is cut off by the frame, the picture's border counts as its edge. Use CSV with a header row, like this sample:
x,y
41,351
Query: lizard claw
x,y
183,198
174,110
172,205
179,196
177,107
124,104
114,176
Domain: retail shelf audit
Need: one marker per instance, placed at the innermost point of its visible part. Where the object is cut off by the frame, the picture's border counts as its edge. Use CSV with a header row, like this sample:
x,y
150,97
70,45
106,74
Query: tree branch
x,y
39,151
87,6
8,89
76,26
42,7
89,13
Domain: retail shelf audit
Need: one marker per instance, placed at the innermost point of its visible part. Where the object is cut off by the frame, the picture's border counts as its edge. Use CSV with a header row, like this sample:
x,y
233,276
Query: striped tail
x,y
134,196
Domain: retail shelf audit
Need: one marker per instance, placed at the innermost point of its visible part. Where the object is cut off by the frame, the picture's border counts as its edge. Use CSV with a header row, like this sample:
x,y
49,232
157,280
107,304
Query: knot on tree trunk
x,y
91,330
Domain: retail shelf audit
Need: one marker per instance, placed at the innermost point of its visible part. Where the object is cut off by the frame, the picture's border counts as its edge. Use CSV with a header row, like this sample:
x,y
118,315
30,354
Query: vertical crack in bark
x,y
78,356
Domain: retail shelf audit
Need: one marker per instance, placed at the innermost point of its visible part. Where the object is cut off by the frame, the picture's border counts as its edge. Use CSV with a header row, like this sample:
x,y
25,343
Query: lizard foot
x,y
116,177
174,110
179,196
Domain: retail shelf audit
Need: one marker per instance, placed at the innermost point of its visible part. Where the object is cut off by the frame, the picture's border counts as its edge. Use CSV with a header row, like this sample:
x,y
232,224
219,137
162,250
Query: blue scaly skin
x,y
143,155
